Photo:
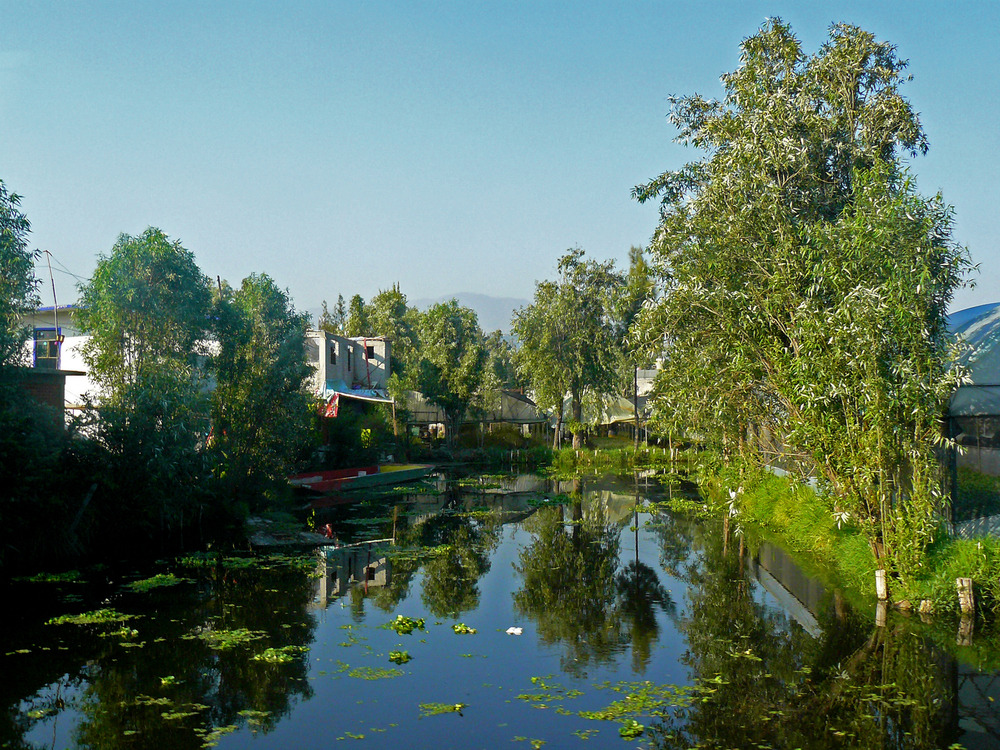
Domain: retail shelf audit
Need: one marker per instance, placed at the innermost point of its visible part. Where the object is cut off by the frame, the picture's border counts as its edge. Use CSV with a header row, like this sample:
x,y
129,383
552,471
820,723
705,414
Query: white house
x,y
56,343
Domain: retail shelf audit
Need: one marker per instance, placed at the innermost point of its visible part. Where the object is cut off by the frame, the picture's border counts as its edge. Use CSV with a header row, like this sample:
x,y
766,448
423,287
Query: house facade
x,y
348,365
55,344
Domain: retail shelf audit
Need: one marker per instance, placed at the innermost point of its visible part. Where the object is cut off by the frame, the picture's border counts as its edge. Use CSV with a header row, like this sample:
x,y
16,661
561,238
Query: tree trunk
x,y
635,405
577,419
555,436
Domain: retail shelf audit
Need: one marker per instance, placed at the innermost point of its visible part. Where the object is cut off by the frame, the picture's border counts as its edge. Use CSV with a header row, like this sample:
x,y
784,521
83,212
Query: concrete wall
x,y
362,362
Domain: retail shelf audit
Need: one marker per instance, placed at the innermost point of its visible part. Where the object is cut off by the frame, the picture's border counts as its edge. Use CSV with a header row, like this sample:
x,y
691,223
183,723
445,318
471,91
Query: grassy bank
x,y
621,460
803,523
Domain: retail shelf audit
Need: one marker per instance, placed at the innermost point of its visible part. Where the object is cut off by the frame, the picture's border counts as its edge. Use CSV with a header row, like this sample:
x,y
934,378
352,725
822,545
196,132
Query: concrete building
x,y
348,364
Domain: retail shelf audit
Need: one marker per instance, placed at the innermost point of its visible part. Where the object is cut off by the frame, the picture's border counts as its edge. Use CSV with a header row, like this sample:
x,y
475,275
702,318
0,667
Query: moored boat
x,y
363,477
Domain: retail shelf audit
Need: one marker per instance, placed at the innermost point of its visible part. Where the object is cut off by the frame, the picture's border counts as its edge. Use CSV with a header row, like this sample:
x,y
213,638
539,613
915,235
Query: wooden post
x,y
880,610
966,601
880,590
964,637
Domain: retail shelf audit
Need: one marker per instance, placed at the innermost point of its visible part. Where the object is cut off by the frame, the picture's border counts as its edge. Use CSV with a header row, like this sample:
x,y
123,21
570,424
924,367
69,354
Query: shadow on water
x,y
635,623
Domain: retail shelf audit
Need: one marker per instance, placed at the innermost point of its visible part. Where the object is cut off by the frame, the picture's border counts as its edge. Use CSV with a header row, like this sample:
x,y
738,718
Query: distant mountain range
x,y
493,312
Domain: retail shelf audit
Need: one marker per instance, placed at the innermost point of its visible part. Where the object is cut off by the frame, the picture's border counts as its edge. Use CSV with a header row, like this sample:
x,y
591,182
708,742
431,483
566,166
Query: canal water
x,y
497,611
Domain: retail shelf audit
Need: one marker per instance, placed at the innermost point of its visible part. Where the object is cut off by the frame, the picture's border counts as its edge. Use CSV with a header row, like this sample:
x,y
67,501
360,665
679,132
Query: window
x,y
369,352
47,348
348,359
333,354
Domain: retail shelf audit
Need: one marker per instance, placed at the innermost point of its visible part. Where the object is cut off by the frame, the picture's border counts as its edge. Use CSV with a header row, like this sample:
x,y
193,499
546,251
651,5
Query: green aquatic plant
x,y
97,617
148,700
541,502
160,580
211,737
548,692
69,576
399,657
631,729
436,709
406,625
224,640
462,629
123,632
371,673
254,718
281,655
174,715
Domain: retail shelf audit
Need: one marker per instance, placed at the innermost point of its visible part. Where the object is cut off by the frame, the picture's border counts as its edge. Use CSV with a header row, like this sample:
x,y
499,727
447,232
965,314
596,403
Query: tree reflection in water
x,y
568,584
764,682
174,690
755,677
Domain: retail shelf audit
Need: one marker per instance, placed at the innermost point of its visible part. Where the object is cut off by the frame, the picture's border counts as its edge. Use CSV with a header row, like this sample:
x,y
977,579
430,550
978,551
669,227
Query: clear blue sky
x,y
449,146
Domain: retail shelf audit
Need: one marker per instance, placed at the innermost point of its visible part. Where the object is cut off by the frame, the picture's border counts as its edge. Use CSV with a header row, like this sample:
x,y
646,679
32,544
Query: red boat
x,y
364,477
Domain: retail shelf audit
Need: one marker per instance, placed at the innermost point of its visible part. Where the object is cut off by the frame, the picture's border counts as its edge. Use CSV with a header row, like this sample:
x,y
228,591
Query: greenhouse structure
x,y
974,415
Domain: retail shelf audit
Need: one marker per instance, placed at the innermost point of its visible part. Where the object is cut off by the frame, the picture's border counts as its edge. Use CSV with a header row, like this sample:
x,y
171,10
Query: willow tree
x,y
568,337
805,282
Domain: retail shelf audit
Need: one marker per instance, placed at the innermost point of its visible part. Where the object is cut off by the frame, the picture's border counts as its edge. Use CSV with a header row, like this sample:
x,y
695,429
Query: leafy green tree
x,y
639,287
452,364
503,363
261,412
357,317
544,334
340,315
569,341
146,310
17,278
389,315
32,459
327,321
805,282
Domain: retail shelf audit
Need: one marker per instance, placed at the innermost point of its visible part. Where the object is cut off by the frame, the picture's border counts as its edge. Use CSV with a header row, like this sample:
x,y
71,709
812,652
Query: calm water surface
x,y
638,627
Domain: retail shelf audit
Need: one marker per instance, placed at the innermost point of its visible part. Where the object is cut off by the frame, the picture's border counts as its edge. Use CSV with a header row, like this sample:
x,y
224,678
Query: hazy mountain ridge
x,y
493,312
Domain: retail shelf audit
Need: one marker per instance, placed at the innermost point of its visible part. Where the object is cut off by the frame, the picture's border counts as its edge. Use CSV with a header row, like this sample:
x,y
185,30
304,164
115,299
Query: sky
x,y
447,146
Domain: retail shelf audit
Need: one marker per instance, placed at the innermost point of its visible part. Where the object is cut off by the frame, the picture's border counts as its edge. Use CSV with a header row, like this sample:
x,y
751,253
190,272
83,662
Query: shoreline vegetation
x,y
793,299
804,523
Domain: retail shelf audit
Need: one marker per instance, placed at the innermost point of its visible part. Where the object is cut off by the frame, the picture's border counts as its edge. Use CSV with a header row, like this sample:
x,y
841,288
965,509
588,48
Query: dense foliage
x,y
452,369
146,310
569,338
804,281
17,277
261,411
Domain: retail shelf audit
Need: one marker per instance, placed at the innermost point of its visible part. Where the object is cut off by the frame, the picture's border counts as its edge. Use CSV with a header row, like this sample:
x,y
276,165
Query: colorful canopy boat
x,y
364,477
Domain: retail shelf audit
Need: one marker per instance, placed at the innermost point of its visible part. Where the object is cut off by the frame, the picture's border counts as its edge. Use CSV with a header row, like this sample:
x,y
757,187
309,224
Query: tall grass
x,y
571,462
804,524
